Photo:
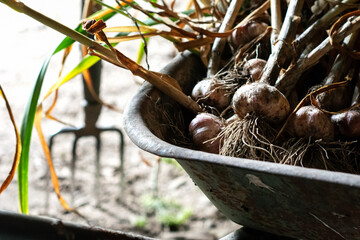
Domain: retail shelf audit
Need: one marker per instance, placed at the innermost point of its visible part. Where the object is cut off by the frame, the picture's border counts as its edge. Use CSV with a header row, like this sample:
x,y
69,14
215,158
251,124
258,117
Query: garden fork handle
x,y
92,107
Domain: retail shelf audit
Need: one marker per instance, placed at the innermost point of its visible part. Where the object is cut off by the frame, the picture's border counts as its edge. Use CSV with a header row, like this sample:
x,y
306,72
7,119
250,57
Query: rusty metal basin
x,y
285,200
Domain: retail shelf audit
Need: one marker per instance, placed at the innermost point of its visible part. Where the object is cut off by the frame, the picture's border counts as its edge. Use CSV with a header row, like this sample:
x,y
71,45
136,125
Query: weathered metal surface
x,y
19,226
285,200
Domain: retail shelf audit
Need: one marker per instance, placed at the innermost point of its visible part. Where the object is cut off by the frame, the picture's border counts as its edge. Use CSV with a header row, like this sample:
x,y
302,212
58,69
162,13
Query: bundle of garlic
x,y
289,92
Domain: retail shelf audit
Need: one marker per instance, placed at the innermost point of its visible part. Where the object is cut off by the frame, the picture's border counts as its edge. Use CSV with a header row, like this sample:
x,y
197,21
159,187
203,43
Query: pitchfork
x,y
92,109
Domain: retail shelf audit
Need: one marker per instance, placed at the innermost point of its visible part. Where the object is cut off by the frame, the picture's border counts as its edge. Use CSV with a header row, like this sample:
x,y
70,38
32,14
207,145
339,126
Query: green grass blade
x,y
68,41
25,134
141,51
28,122
86,63
29,116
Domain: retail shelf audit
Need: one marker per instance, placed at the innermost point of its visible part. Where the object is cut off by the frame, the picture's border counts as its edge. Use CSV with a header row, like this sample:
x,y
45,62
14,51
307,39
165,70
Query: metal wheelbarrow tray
x,y
15,226
281,199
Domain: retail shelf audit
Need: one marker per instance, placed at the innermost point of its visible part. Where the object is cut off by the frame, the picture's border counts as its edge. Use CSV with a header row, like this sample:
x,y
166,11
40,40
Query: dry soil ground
x,y
24,46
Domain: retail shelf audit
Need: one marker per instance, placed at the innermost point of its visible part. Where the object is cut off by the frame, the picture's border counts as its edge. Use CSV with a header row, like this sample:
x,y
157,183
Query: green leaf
x,y
140,222
174,217
25,134
173,162
67,41
167,211
86,63
29,116
28,122
141,51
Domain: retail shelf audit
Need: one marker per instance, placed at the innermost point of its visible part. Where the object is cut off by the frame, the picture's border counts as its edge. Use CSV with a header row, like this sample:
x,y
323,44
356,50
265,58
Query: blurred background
x,y
158,200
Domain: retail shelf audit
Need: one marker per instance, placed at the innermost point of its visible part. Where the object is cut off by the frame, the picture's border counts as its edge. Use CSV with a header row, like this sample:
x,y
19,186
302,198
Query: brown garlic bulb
x,y
210,92
262,99
348,123
247,32
254,67
309,121
204,129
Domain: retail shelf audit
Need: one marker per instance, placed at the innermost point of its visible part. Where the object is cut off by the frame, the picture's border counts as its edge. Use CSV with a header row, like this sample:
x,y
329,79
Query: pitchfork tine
x,y
73,168
97,171
47,176
121,153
